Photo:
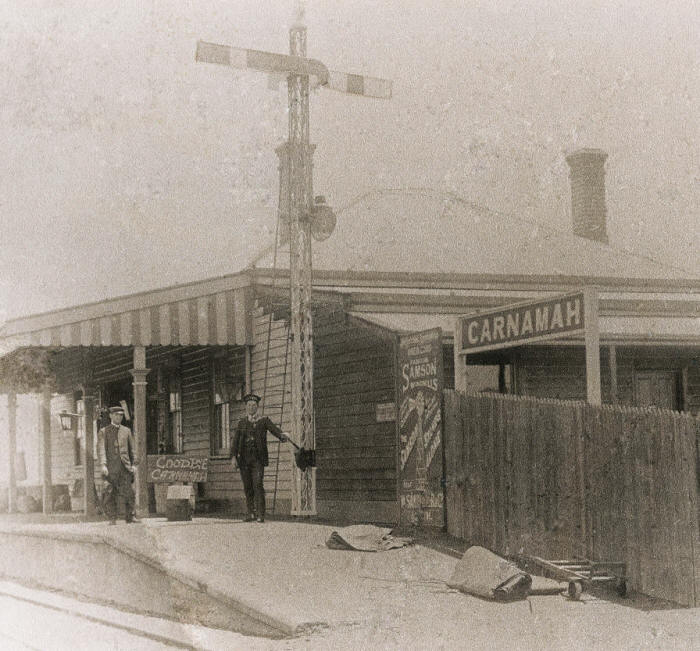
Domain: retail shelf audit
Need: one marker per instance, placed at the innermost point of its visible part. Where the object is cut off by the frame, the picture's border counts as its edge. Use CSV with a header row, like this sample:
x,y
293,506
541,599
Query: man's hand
x,y
284,437
104,472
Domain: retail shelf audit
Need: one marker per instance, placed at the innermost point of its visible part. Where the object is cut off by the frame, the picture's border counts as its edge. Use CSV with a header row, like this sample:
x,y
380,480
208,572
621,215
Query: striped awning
x,y
207,313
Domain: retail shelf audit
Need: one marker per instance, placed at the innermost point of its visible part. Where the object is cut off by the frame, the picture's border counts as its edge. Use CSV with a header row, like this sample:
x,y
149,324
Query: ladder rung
x,y
574,567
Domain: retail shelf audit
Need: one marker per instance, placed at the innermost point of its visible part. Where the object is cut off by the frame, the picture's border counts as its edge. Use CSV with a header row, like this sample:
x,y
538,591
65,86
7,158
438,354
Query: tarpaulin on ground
x,y
365,538
484,574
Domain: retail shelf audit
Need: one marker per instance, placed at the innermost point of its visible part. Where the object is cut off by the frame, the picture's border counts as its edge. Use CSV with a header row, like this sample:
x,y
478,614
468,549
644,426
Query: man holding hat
x,y
250,451
116,452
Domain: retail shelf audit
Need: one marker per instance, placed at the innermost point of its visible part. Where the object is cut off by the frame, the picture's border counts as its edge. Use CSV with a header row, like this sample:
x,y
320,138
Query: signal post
x,y
296,196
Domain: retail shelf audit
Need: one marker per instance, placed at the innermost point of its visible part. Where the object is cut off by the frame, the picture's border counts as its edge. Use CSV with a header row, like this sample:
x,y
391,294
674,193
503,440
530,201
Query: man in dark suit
x,y
249,449
116,451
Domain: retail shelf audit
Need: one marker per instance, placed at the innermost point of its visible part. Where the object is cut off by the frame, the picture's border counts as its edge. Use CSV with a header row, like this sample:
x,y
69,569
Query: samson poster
x,y
420,427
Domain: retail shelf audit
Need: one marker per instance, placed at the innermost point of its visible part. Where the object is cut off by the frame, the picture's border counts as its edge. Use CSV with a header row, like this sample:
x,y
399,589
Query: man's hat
x,y
251,396
116,410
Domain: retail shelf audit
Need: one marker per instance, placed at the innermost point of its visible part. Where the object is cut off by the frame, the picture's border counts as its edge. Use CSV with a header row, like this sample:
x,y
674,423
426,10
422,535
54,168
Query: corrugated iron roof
x,y
435,232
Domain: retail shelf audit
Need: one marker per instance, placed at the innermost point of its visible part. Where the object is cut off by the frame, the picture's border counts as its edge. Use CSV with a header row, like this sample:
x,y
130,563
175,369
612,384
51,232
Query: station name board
x,y
166,468
523,323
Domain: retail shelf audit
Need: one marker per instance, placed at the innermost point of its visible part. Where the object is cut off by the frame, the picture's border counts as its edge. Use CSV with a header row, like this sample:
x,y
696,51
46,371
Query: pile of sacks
x,y
484,574
365,538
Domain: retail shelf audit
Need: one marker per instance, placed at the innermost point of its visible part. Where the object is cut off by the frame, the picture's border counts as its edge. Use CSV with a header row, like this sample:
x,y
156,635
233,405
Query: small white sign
x,y
179,492
386,412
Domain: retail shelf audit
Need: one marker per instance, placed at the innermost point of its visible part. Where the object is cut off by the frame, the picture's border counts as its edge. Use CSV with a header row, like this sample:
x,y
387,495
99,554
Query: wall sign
x,y
166,468
420,385
523,323
386,412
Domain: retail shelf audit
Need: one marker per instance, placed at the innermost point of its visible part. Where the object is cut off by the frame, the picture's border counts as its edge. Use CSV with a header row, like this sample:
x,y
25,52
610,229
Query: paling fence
x,y
561,479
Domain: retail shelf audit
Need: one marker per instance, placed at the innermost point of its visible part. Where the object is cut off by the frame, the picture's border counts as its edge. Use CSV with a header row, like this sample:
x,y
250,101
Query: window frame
x,y
175,441
221,396
78,433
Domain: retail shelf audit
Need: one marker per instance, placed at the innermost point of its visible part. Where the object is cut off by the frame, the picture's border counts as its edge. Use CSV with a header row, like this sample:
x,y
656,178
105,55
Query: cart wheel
x,y
575,590
621,587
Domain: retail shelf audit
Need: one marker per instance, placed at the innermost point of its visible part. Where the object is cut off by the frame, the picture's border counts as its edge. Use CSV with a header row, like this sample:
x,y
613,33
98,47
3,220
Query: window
x,y
176,439
492,373
489,378
222,396
658,388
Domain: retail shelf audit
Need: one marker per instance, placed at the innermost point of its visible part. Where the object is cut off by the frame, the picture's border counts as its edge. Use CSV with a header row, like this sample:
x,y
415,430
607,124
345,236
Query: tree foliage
x,y
26,370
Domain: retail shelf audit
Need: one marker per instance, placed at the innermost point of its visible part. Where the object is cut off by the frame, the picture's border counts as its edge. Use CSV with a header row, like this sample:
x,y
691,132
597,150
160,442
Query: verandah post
x,y
139,373
11,451
46,488
88,458
592,339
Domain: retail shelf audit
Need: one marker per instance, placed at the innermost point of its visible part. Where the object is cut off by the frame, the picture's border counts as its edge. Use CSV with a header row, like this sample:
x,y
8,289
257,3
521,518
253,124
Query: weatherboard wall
x,y
267,379
560,372
197,416
356,453
271,379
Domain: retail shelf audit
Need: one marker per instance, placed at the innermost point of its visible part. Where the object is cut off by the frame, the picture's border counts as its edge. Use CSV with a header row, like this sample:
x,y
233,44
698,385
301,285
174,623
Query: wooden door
x,y
657,389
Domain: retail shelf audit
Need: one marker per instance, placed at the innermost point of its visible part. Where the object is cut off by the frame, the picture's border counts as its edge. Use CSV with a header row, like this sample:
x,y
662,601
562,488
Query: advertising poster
x,y
420,427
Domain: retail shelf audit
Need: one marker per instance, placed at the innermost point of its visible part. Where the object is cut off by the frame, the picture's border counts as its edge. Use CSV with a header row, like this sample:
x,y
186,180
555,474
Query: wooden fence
x,y
568,480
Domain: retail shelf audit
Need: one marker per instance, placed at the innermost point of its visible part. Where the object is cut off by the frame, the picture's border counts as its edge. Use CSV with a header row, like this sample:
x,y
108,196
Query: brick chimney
x,y
587,174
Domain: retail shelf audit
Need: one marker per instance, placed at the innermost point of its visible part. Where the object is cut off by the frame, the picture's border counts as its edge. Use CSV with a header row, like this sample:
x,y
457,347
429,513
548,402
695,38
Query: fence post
x,y
696,533
579,435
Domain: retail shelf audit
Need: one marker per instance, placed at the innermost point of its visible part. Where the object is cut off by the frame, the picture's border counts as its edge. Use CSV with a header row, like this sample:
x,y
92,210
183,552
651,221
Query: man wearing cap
x,y
116,453
250,451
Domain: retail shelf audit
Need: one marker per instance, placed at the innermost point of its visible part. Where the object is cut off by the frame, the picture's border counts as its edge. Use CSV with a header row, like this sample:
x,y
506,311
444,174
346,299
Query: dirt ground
x,y
388,600
399,600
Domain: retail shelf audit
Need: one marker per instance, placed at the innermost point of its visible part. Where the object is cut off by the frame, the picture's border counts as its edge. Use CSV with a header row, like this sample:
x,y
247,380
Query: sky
x,y
128,166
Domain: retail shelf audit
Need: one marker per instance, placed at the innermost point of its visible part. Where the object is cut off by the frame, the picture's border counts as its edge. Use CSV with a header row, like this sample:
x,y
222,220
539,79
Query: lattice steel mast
x,y
296,161
300,192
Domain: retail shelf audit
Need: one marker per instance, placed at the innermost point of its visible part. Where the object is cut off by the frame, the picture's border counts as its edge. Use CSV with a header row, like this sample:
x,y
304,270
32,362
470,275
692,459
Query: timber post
x,y
46,487
592,341
11,451
612,363
88,452
139,373
460,360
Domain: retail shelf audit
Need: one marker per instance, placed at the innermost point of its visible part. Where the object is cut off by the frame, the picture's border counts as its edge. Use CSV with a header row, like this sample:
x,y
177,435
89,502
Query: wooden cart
x,y
578,573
